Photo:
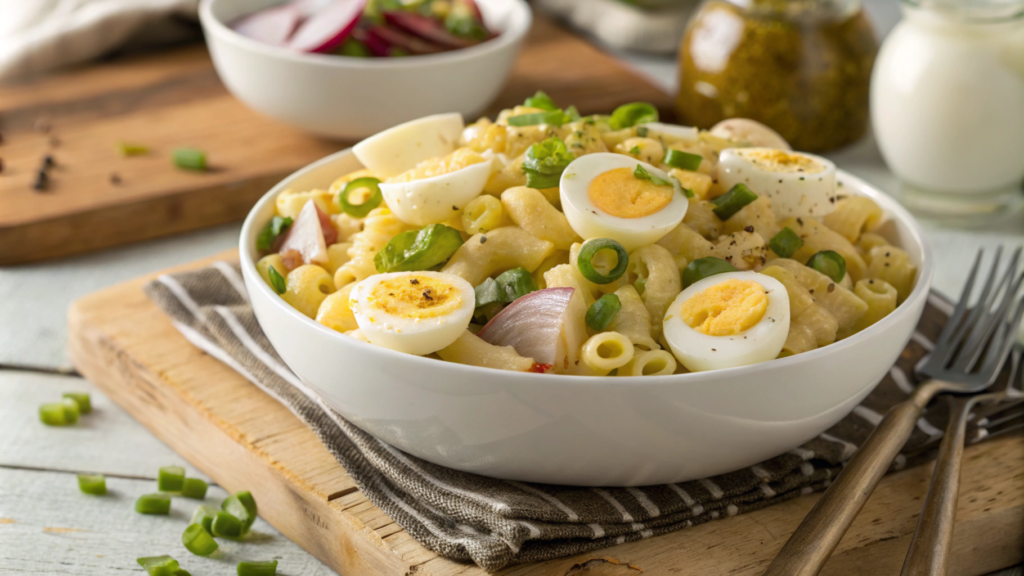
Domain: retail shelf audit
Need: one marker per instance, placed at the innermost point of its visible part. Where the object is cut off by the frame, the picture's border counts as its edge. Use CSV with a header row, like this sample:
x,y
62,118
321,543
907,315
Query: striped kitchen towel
x,y
495,523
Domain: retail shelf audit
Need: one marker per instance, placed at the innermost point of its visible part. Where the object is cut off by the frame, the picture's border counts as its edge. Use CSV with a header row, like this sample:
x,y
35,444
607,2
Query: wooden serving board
x,y
243,439
175,99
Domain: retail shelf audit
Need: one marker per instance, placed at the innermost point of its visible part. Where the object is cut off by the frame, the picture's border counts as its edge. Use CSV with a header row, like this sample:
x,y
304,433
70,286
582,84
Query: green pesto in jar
x,y
802,67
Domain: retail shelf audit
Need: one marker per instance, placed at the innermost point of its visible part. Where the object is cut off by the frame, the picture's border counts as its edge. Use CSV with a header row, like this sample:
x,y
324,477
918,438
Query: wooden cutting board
x,y
175,99
244,439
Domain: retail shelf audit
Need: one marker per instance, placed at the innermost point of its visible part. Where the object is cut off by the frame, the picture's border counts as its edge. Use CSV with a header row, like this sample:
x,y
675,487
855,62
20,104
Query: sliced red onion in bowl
x,y
533,325
328,28
377,45
404,40
305,243
427,28
273,26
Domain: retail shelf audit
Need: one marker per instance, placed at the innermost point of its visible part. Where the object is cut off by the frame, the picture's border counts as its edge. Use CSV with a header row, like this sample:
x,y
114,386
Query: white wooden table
x,y
47,526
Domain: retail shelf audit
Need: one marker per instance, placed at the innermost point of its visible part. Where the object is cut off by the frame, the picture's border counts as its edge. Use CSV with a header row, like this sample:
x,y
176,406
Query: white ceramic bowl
x,y
351,98
592,431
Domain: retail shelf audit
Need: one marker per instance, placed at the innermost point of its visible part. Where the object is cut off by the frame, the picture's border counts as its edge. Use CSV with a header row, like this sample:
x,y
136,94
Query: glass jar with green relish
x,y
800,66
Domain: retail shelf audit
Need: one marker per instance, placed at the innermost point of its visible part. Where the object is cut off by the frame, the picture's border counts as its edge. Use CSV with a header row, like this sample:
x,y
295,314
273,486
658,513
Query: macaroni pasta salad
x,y
611,245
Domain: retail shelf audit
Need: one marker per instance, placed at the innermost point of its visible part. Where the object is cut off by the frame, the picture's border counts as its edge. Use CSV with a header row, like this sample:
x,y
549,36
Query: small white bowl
x,y
351,98
589,431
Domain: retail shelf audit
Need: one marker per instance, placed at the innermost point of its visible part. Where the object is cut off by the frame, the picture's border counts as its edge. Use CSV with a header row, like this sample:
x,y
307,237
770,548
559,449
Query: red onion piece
x,y
330,232
377,45
273,26
328,28
533,325
429,29
306,236
408,42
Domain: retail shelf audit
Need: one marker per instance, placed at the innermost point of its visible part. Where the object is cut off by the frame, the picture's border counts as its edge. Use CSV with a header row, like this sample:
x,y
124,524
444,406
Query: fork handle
x,y
929,550
821,530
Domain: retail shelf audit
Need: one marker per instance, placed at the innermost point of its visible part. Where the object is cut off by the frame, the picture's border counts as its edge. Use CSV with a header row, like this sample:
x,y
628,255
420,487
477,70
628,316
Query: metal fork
x,y
966,359
928,554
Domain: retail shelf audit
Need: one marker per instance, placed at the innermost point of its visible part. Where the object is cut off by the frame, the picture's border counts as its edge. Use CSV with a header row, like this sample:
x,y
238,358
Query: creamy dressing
x,y
947,101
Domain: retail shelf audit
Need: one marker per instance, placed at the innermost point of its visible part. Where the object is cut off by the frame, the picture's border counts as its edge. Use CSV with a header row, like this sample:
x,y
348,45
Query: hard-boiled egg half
x,y
798,184
413,312
438,188
603,197
402,147
728,320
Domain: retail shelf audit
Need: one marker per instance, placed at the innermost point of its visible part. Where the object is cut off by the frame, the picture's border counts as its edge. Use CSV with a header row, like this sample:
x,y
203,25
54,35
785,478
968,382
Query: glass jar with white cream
x,y
947,104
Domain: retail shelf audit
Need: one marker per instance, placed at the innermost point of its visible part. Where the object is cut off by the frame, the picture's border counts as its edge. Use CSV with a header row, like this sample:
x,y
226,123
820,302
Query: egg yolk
x,y
415,297
461,158
619,193
782,161
726,309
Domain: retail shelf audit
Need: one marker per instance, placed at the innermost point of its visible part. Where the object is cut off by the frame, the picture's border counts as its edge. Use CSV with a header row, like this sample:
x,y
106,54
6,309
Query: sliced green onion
x,y
514,284
641,173
602,311
241,505
198,541
82,399
170,479
786,242
634,150
585,260
572,115
702,268
153,504
641,131
545,161
159,565
686,191
418,249
226,526
682,160
829,263
629,115
360,210
182,572
277,226
640,285
552,117
194,488
190,158
127,149
276,280
204,516
95,484
540,100
71,410
733,201
257,568
488,292
53,414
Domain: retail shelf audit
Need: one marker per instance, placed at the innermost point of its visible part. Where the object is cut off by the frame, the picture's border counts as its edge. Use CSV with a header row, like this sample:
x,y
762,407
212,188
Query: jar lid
x,y
973,10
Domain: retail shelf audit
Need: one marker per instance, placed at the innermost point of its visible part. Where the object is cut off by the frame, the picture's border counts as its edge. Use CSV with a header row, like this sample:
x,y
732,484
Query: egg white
x,y
699,352
589,221
411,335
436,199
402,147
795,194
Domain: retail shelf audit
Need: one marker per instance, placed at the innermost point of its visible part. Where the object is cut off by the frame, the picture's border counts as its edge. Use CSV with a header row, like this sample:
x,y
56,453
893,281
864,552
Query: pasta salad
x,y
616,244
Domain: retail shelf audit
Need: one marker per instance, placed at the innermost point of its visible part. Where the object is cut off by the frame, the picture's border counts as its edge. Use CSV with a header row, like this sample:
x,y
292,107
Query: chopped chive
x,y
585,260
241,505
270,232
153,504
488,292
204,516
829,263
226,525
364,208
683,160
686,191
276,280
95,484
190,158
170,479
634,150
129,149
515,283
198,541
545,161
54,414
257,568
603,311
641,131
733,201
159,565
84,404
194,488
641,173
702,268
786,243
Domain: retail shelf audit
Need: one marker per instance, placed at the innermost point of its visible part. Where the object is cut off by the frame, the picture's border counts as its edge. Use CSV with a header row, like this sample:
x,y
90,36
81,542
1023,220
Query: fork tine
x,y
943,344
980,306
987,319
1002,342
